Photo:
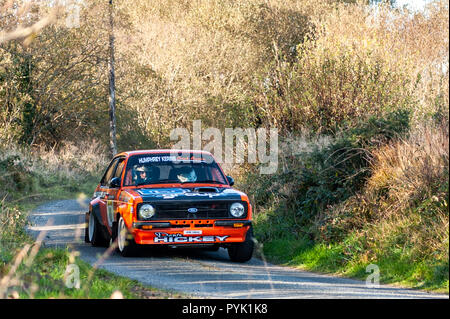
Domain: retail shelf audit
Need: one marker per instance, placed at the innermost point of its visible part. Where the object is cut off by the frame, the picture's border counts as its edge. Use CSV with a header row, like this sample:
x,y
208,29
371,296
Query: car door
x,y
112,200
104,193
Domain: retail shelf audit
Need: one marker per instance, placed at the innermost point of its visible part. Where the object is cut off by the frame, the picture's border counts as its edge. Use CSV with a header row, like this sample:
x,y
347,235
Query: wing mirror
x,y
115,182
230,180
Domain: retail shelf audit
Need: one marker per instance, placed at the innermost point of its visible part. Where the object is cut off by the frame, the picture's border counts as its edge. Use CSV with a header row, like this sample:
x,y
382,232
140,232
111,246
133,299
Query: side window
x,y
109,172
217,176
119,168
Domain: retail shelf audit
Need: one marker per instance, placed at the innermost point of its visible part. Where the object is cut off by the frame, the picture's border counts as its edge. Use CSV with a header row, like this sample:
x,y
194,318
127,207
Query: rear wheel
x,y
242,252
113,239
95,234
125,243
86,230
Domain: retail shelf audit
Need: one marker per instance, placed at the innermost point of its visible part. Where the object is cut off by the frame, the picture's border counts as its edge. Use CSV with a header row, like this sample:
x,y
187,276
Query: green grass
x,y
396,267
45,278
318,214
42,276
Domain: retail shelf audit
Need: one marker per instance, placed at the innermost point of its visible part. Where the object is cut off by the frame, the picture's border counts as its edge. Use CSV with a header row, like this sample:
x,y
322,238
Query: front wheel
x,y
125,242
242,252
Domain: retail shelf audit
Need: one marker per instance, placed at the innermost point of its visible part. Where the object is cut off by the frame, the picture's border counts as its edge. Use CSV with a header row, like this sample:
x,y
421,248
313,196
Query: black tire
x,y
126,245
86,229
95,233
242,252
114,234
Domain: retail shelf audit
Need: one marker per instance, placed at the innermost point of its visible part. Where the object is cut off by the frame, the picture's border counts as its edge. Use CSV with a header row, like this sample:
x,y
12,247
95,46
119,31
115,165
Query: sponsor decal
x,y
190,159
99,194
159,191
159,234
155,159
179,238
174,193
194,194
169,158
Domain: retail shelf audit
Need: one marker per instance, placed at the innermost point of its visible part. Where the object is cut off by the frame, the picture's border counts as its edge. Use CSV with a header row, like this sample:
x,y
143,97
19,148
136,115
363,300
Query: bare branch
x,y
25,32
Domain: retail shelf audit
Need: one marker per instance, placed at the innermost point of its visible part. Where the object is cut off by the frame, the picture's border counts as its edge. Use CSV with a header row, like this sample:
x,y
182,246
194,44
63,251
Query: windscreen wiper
x,y
161,181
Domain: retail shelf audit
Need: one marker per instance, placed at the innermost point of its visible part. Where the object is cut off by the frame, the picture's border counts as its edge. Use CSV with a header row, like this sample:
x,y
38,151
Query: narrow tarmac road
x,y
202,274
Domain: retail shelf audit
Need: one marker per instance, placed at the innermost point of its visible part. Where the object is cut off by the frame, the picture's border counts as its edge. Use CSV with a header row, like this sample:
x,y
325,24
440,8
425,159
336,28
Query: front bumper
x,y
191,232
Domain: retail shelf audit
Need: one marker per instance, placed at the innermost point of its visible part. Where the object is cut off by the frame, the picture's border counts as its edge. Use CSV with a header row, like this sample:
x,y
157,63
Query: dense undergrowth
x,y
29,177
358,92
376,192
385,204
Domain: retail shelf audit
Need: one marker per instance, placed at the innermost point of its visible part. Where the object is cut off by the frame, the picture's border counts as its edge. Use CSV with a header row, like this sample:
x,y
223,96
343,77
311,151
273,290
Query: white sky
x,y
412,4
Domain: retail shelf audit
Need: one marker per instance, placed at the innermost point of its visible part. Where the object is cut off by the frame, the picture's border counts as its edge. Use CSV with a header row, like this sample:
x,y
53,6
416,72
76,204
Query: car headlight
x,y
237,210
146,211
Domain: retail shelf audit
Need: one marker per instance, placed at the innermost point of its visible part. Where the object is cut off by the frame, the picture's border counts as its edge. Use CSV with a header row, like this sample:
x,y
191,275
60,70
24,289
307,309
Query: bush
x,y
409,186
15,176
380,61
323,177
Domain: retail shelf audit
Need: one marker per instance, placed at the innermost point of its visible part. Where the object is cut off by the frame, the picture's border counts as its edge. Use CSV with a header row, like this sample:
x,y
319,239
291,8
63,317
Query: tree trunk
x,y
29,108
112,86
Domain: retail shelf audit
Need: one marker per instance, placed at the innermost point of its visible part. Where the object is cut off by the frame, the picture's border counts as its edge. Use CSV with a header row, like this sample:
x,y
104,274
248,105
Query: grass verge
x,y
48,276
44,273
30,271
396,217
395,266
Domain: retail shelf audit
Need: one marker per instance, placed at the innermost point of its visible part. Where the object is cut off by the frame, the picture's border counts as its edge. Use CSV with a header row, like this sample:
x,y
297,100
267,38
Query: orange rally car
x,y
169,197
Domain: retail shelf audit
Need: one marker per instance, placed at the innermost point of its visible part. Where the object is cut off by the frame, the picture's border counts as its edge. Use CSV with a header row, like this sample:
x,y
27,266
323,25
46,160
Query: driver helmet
x,y
138,169
187,174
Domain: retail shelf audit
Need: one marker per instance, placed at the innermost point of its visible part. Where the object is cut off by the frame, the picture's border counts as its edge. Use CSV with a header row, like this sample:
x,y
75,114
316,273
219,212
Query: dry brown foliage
x,y
406,196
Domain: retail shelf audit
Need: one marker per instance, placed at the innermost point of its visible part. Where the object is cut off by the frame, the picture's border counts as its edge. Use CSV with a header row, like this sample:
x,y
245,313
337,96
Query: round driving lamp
x,y
237,210
146,211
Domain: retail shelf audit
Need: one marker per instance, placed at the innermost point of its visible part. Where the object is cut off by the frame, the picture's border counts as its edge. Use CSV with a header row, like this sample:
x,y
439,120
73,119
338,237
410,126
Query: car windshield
x,y
183,168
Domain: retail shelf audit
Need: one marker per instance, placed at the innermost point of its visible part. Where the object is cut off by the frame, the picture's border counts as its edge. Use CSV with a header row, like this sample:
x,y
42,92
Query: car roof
x,y
161,151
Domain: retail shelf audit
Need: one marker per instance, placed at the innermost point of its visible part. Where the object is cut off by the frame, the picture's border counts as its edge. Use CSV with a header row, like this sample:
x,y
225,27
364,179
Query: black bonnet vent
x,y
206,190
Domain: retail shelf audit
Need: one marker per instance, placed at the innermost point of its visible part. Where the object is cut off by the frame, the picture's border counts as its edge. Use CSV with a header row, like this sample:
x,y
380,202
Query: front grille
x,y
205,210
189,225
